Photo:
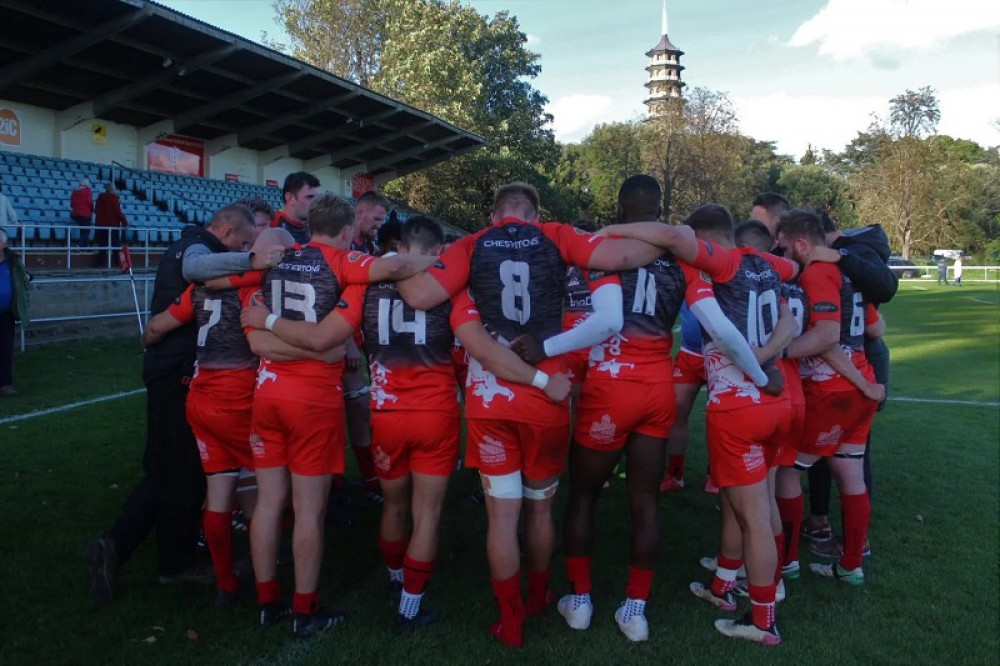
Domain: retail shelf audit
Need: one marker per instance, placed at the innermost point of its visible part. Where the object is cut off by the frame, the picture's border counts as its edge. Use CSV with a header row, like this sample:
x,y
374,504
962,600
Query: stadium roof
x,y
141,64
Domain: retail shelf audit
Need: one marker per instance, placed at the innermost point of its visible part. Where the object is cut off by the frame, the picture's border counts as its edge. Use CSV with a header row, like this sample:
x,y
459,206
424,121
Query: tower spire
x,y
664,70
663,29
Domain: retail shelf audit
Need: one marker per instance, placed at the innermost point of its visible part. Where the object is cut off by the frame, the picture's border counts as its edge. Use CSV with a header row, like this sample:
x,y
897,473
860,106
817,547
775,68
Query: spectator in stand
x,y
263,212
81,209
7,214
110,217
13,306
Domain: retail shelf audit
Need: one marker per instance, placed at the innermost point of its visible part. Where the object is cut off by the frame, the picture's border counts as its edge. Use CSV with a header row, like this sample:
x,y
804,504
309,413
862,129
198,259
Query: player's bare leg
x,y
751,508
539,541
588,470
645,460
677,442
265,530
847,467
504,558
217,524
428,492
246,493
358,415
394,530
309,498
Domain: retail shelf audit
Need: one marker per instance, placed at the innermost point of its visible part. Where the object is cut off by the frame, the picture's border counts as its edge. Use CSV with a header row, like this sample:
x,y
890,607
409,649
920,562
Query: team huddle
x,y
554,343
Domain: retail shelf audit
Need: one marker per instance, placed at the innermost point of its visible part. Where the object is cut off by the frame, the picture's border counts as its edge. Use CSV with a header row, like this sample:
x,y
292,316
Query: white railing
x,y
142,242
969,273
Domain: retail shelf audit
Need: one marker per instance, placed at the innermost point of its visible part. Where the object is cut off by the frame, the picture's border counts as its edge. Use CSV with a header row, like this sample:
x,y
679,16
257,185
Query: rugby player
x,y
369,213
768,208
296,434
219,402
516,437
838,413
738,441
297,194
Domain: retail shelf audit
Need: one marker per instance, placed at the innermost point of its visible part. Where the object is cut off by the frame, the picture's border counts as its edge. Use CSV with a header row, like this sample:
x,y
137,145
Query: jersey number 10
x,y
762,317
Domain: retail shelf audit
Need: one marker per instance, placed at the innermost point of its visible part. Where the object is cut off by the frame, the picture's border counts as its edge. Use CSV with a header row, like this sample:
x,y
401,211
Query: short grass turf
x,y
931,594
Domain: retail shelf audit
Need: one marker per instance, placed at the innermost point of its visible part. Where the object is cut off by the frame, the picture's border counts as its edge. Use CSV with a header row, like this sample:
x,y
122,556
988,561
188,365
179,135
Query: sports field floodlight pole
x,y
125,263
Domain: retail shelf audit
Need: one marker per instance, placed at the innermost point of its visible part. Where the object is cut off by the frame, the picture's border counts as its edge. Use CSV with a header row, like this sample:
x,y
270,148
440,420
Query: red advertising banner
x,y
10,127
233,177
181,155
271,183
361,183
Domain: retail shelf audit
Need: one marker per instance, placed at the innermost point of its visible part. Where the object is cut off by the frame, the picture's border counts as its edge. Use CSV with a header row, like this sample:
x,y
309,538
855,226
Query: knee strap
x,y
540,493
803,467
502,486
859,454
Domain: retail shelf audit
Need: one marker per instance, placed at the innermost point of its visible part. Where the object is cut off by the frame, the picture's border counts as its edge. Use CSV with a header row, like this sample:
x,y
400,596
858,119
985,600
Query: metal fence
x,y
64,240
969,273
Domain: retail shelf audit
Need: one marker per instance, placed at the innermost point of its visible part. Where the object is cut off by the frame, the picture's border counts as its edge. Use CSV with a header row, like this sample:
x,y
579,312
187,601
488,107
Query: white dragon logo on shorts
x,y
603,430
484,384
263,374
380,380
724,376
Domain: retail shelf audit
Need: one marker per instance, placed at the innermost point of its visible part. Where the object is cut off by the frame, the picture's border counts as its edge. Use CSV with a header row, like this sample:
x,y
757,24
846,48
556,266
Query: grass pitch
x,y
931,594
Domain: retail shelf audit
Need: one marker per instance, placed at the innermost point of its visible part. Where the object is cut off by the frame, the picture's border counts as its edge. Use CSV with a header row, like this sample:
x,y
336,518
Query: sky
x,y
800,72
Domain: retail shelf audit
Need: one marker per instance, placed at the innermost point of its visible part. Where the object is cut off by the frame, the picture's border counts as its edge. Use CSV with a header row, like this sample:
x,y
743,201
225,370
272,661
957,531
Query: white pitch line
x,y
979,300
72,405
125,394
938,401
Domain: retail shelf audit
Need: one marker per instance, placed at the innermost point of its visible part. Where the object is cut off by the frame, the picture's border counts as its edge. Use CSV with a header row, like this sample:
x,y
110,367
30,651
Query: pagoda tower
x,y
664,72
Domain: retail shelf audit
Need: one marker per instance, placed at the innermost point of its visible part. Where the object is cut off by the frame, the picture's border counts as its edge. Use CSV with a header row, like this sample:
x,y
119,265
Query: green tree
x,y
814,185
914,113
447,59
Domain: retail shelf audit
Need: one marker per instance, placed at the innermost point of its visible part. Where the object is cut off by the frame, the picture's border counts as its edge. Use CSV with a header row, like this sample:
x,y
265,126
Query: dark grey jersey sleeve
x,y
200,263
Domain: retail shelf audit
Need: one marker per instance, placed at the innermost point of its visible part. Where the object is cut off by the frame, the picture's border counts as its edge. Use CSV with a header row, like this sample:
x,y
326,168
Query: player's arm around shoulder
x,y
331,331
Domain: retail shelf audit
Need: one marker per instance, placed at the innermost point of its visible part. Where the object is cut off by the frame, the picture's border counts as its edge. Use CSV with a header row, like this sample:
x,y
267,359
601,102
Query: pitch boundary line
x,y
941,401
72,405
124,394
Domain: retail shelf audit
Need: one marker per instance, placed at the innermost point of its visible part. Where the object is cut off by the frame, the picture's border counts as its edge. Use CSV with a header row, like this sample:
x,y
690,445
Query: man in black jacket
x,y
169,496
862,255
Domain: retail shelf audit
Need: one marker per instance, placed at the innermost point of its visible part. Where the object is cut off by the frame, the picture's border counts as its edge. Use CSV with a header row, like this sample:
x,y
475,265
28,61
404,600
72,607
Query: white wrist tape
x,y
269,322
540,380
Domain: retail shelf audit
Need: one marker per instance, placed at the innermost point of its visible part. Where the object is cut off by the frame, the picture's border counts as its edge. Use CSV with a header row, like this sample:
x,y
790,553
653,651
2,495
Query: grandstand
x,y
183,117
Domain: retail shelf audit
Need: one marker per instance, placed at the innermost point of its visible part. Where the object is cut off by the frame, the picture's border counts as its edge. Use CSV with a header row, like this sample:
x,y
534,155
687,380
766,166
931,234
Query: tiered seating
x,y
156,204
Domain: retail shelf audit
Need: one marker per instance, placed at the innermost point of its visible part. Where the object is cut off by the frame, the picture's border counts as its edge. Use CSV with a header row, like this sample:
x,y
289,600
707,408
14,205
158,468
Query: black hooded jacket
x,y
865,262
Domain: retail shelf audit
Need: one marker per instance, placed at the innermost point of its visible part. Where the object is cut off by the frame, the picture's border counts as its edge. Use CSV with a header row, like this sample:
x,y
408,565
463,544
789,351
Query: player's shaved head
x,y
713,221
422,235
234,215
234,226
271,237
330,214
518,200
755,234
639,199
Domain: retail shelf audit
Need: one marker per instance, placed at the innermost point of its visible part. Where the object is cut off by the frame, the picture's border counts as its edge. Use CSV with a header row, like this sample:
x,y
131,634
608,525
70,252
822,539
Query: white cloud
x,y
795,121
574,115
531,41
846,29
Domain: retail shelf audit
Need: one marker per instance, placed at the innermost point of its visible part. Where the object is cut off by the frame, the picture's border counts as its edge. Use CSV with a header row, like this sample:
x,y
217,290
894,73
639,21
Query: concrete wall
x,y
49,134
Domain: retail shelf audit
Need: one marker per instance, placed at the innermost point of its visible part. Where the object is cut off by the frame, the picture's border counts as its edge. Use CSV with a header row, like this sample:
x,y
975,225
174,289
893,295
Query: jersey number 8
x,y
515,300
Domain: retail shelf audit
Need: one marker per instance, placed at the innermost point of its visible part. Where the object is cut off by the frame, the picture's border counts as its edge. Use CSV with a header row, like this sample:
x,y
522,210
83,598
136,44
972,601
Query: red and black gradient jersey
x,y
306,286
515,272
298,230
749,294
409,351
794,295
224,364
833,297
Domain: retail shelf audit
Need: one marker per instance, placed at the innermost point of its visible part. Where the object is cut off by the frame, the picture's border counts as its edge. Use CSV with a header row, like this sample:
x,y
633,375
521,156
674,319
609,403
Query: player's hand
x,y
334,354
824,254
558,387
269,258
254,316
528,348
352,357
608,230
775,381
874,392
